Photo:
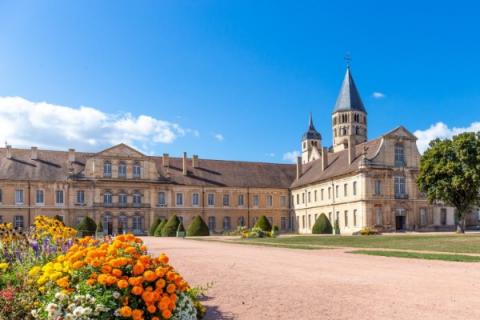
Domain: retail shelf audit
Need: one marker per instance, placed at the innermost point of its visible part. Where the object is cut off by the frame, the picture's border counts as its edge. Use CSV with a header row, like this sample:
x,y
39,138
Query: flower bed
x,y
89,279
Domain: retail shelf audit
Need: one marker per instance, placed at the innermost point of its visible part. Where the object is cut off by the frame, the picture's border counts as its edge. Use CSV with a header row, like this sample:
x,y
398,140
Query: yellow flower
x,y
3,266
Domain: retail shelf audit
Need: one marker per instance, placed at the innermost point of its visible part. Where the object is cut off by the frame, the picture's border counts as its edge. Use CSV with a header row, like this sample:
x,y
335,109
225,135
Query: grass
x,y
440,243
418,255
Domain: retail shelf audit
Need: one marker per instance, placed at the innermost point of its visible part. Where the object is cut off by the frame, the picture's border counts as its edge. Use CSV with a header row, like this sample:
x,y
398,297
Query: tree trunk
x,y
461,223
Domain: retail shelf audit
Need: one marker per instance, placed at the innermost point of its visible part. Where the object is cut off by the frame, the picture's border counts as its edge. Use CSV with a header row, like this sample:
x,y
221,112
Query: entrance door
x,y
400,223
107,224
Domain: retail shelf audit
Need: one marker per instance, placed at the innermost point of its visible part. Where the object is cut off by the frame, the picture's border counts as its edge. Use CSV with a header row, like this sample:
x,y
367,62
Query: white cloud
x,y
219,137
442,131
270,154
378,95
291,156
26,123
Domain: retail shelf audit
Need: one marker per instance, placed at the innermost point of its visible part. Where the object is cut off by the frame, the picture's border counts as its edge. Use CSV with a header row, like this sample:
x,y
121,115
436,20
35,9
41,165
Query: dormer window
x,y
122,169
136,170
107,169
399,155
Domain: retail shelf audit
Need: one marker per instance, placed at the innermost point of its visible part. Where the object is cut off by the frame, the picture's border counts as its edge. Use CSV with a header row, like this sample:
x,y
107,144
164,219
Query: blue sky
x,y
230,79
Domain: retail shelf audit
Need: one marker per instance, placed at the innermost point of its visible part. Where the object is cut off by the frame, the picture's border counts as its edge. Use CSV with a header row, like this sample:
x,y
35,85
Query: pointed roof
x,y
349,98
312,133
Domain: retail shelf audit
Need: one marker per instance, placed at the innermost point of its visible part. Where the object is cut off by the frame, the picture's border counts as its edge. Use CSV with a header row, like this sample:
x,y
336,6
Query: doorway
x,y
400,219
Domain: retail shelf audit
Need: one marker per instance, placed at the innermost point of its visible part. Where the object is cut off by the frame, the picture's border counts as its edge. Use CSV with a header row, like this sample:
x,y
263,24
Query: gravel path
x,y
252,282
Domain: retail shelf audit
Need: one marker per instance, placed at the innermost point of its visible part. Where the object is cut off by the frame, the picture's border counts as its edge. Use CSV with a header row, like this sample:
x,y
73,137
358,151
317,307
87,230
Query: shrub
x,y
197,228
274,232
322,225
170,228
256,232
181,228
87,227
366,231
337,227
263,224
158,230
154,226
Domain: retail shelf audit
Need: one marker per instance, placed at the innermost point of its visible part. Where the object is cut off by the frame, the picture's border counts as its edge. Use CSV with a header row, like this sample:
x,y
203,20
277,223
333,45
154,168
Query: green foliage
x,y
263,224
450,173
100,227
170,228
197,228
366,231
322,225
181,228
154,226
158,230
337,227
87,227
58,218
256,232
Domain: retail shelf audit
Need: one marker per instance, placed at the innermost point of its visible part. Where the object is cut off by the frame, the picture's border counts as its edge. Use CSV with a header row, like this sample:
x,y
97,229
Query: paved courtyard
x,y
253,282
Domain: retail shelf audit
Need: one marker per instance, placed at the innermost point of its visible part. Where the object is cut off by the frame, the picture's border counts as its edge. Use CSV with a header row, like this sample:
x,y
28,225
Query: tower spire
x,y
349,97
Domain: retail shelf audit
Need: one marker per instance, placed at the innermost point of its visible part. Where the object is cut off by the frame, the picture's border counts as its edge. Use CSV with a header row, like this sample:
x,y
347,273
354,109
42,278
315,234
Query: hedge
x,y
322,225
170,228
263,224
198,228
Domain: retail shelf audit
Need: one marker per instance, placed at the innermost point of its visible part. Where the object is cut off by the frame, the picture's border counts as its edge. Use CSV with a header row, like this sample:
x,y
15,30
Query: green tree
x,y
170,228
263,224
450,173
197,228
87,227
154,226
158,230
322,225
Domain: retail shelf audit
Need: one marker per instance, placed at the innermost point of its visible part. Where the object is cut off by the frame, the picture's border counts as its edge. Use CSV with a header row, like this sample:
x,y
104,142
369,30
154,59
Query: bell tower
x,y
311,143
349,117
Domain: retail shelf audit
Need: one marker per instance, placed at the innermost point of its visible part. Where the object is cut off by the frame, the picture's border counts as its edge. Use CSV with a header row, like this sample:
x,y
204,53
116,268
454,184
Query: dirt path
x,y
252,282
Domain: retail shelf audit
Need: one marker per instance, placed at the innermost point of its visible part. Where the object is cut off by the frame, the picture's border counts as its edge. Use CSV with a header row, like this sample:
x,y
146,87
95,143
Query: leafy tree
x,y
322,225
197,228
450,173
154,226
87,227
158,230
170,228
263,224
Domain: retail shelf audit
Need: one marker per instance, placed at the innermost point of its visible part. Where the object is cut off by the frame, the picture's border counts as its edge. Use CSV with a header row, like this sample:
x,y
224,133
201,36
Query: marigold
x,y
138,269
126,311
117,273
171,288
167,314
137,290
122,284
149,276
137,313
151,308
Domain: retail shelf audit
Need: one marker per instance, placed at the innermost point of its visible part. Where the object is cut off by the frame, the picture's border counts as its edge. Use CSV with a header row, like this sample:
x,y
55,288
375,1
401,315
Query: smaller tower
x,y
311,143
349,117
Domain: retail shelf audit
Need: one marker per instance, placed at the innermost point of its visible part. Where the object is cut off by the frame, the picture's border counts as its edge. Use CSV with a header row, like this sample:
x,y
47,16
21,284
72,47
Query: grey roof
x,y
311,133
349,98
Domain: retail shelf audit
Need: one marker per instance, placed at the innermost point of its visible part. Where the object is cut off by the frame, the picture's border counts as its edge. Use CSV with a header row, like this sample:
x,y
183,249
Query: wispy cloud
x,y
219,137
442,131
270,154
378,95
291,156
27,123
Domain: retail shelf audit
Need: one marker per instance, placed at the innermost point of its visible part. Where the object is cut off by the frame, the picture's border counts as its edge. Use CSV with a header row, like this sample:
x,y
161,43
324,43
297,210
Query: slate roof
x,y
312,133
349,98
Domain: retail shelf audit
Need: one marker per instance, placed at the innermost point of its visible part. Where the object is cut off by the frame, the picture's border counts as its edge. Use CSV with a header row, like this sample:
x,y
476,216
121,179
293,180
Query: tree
x,y
322,225
450,173
170,228
158,230
87,227
197,228
263,224
154,226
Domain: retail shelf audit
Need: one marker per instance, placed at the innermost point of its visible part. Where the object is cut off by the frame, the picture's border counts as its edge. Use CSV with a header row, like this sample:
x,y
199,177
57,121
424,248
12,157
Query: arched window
x,y
107,199
137,170
107,223
122,223
122,199
122,169
107,169
399,155
137,199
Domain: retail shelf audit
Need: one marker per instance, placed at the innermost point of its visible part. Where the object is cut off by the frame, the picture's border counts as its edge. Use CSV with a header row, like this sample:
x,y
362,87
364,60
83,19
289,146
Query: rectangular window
x,y
321,194
330,217
443,216
309,221
137,170
226,200
269,201
18,222
329,192
298,199
255,201
303,197
345,190
283,201
80,197
309,198
303,221
354,188
399,155
211,224
179,199
378,216
195,199
399,184
226,223
337,188
283,223
241,200
59,197
39,199
122,199
107,169
355,217
315,217
161,199
315,195
378,187
423,216
107,199
211,199
1,195
19,196
122,170
346,218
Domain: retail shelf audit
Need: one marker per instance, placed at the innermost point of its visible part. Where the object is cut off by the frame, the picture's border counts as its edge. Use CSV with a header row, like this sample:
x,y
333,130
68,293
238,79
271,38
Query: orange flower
x,y
149,276
167,314
117,272
138,269
163,258
122,284
171,288
91,282
160,272
106,268
137,290
160,283
137,314
126,311
151,308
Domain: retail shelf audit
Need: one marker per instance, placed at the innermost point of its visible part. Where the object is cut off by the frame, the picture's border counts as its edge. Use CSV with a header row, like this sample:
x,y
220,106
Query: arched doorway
x,y
107,223
122,224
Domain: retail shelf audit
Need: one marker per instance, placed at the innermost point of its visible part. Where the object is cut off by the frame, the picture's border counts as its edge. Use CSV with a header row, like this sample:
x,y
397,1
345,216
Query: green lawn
x,y
417,255
441,243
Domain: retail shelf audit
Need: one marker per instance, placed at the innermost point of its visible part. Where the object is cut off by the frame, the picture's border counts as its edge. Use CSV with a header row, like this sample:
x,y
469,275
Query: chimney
x,y
184,164
166,160
9,152
351,149
299,167
71,155
195,161
34,155
324,158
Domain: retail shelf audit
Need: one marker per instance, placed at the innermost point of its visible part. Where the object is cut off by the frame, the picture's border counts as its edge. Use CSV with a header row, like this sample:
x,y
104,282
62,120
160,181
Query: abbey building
x,y
356,182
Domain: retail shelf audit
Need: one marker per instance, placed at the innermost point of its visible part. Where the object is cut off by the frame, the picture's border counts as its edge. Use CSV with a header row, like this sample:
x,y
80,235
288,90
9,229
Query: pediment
x,y
121,150
400,132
